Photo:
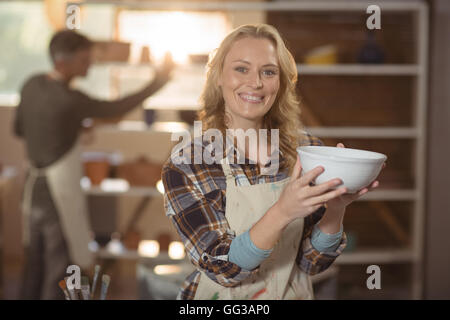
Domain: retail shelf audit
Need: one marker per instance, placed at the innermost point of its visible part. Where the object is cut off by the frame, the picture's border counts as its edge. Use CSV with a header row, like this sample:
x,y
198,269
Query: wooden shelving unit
x,y
415,72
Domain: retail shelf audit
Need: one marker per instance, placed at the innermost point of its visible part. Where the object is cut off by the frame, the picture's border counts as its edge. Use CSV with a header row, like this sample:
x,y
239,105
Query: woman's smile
x,y
251,97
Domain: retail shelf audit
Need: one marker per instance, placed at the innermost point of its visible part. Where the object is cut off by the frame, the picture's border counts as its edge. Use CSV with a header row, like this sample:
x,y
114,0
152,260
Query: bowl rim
x,y
382,156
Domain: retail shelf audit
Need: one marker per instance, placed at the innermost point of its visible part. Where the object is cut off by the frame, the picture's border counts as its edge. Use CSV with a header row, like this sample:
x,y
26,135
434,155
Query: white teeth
x,y
251,98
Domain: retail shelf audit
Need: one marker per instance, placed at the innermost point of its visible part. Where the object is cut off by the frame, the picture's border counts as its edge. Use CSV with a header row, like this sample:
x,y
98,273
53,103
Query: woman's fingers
x,y
297,169
372,186
326,196
323,187
308,177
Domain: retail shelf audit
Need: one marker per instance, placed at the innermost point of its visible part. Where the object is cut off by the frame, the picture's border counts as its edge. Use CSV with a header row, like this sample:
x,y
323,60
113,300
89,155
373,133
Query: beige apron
x,y
63,178
278,276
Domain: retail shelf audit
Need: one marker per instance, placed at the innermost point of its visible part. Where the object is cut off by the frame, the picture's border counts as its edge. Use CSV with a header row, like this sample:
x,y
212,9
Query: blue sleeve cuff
x,y
324,242
245,254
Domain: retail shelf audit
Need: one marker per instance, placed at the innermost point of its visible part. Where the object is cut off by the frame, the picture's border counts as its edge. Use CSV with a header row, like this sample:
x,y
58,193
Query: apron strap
x,y
227,171
27,198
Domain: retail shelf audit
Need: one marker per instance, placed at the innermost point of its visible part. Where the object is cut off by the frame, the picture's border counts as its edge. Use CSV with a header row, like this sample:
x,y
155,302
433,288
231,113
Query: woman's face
x,y
250,81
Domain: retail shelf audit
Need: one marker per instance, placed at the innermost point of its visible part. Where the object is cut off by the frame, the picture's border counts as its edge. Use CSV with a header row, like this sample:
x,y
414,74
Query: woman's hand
x,y
334,215
299,199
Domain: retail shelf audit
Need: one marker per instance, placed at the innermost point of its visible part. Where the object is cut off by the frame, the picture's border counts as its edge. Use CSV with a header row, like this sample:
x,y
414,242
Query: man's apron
x,y
63,179
278,277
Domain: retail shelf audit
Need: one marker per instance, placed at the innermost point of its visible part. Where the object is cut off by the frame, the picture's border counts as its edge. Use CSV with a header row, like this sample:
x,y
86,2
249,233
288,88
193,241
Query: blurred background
x,y
384,90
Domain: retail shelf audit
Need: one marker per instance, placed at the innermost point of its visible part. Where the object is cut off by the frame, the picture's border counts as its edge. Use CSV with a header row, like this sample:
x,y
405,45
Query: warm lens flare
x,y
148,248
176,250
179,33
166,269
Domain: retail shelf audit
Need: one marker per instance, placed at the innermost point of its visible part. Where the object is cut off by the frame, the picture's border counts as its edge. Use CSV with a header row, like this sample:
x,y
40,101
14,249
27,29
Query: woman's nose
x,y
255,80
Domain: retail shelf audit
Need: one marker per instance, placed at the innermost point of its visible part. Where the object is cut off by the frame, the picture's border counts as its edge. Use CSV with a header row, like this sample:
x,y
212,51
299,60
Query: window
x,y
24,35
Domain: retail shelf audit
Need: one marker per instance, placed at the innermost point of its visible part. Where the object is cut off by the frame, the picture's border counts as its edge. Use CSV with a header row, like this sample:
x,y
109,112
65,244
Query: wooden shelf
x,y
369,256
125,255
141,126
132,191
321,132
263,6
123,64
359,69
363,132
390,195
161,258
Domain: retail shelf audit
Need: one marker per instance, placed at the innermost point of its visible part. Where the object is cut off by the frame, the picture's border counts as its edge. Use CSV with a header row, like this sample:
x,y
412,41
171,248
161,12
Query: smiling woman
x,y
251,234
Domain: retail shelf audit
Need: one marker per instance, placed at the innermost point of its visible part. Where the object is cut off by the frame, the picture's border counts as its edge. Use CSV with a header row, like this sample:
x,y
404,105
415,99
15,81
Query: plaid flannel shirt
x,y
194,200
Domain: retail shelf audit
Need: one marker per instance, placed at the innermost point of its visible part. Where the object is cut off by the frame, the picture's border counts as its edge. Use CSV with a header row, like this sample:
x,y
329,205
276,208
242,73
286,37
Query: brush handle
x,y
73,295
94,281
104,291
66,294
85,292
105,285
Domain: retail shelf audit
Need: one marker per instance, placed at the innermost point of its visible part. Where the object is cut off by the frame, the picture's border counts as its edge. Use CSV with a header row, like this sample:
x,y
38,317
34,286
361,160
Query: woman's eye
x,y
241,69
269,72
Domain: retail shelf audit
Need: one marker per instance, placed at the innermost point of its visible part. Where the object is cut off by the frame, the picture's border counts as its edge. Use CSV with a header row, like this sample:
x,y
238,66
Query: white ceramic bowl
x,y
356,168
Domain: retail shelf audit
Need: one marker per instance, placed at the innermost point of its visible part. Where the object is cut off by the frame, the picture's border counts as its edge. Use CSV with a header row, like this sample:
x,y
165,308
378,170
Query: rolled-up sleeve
x,y
310,260
199,219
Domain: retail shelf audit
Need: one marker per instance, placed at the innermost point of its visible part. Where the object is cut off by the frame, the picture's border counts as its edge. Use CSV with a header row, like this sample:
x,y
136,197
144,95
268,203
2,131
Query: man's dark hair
x,y
66,42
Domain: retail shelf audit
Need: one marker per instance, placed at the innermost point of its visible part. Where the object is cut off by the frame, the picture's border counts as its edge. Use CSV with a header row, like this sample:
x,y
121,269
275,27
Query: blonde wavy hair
x,y
285,111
